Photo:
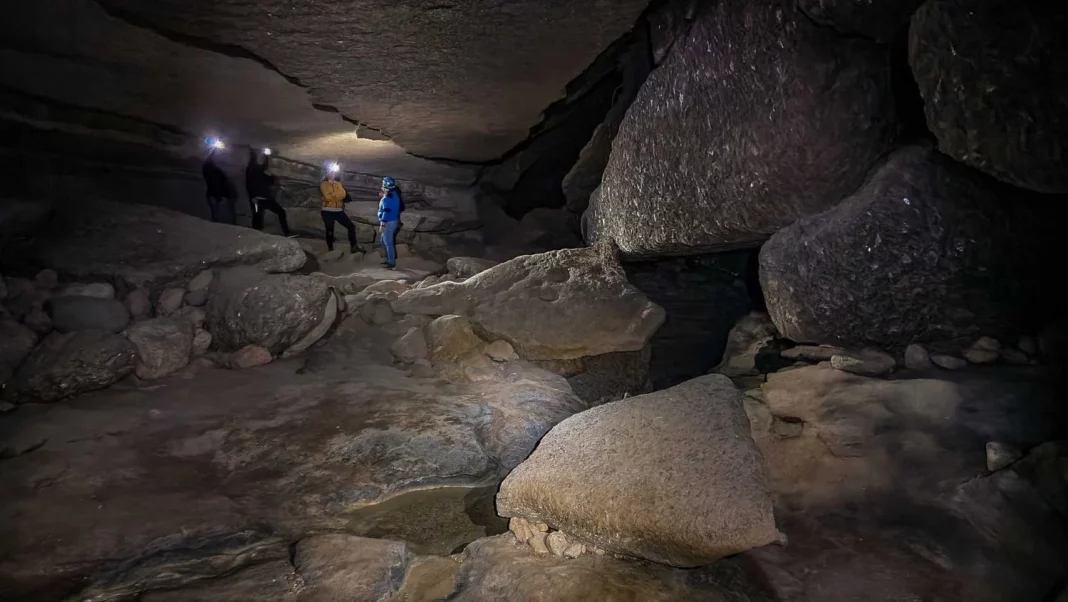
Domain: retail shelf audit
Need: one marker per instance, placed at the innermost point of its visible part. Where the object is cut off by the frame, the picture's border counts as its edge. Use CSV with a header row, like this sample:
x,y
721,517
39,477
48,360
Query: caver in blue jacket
x,y
389,209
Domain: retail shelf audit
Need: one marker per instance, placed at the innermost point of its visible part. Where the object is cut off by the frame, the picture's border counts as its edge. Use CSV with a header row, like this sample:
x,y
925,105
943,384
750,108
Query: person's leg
x,y
280,212
213,208
231,208
328,221
389,239
344,219
257,212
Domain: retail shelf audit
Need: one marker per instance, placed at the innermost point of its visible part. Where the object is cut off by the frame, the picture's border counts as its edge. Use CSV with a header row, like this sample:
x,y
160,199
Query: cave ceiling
x,y
420,88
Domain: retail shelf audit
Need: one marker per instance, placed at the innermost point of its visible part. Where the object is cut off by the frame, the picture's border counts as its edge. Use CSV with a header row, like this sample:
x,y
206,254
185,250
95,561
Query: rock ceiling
x,y
381,84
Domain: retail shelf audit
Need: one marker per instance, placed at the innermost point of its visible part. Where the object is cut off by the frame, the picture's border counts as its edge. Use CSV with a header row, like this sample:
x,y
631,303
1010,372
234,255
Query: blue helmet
x,y
388,183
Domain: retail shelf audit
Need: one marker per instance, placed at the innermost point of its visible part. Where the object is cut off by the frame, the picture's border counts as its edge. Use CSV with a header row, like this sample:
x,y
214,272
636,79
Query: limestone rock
x,y
100,290
867,362
24,297
450,338
390,289
556,305
984,71
1014,356
948,362
272,580
196,316
747,339
376,311
326,322
1028,345
585,175
1000,455
917,358
501,351
82,244
139,304
720,149
196,292
714,501
985,350
170,300
811,353
977,355
38,321
47,279
925,250
65,365
88,313
16,342
201,342
339,567
164,345
250,356
494,569
876,19
248,307
465,267
410,347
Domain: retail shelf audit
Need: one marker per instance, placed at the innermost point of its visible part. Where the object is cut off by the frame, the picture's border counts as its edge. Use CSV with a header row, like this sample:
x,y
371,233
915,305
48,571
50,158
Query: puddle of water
x,y
437,521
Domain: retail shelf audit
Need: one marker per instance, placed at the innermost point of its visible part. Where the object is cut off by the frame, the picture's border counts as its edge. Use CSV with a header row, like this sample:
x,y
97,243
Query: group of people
x,y
260,185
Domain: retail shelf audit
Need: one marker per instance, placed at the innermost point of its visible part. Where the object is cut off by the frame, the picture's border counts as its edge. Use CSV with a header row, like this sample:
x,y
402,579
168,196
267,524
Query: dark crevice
x,y
908,101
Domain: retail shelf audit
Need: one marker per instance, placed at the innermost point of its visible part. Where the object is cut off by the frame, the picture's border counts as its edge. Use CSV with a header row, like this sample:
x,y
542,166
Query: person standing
x,y
389,209
220,191
333,195
260,186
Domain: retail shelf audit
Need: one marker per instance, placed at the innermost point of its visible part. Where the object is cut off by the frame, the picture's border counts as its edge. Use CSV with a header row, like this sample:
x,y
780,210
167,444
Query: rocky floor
x,y
154,486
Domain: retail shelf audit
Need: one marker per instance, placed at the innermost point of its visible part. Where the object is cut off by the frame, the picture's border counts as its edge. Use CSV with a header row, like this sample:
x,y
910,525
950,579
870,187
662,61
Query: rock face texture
x,y
163,346
344,567
877,19
851,501
497,570
16,342
689,444
156,245
993,77
88,313
441,111
558,305
926,249
248,307
64,365
721,147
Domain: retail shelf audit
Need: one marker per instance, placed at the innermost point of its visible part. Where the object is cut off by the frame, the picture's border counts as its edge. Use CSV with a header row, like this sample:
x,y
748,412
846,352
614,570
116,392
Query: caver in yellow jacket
x,y
333,194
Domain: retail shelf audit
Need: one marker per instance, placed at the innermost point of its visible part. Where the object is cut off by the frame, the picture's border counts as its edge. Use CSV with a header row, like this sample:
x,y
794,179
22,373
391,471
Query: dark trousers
x,y
329,217
259,205
222,210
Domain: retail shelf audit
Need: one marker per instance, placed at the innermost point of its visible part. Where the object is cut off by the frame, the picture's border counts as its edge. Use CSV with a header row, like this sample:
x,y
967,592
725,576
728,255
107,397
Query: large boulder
x,y
64,365
757,117
71,313
249,307
140,246
164,345
993,77
557,305
450,338
926,249
465,267
16,342
689,445
877,19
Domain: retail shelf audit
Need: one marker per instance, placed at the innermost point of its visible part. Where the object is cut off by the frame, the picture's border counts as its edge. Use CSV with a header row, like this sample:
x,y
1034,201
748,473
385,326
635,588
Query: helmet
x,y
388,183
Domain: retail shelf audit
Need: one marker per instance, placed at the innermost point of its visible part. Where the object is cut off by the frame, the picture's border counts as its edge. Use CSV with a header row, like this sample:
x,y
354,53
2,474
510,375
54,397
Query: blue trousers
x,y
389,235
